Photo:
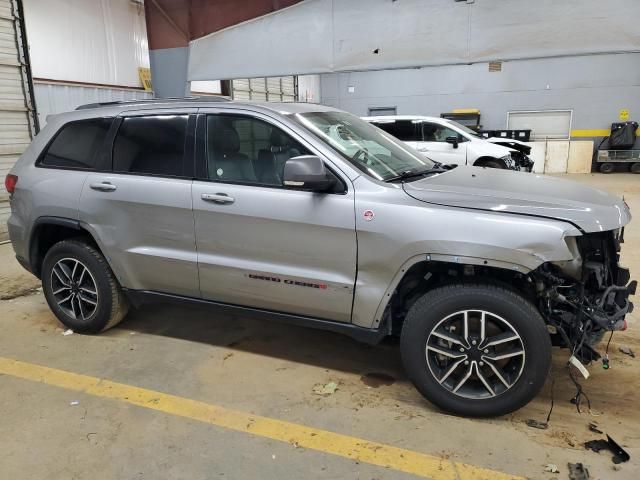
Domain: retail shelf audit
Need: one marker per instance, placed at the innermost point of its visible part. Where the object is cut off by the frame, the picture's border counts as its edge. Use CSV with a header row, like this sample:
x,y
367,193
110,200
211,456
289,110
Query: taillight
x,y
10,182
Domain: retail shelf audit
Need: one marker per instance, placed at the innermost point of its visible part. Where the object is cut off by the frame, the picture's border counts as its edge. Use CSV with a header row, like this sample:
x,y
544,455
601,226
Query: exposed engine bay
x,y
583,299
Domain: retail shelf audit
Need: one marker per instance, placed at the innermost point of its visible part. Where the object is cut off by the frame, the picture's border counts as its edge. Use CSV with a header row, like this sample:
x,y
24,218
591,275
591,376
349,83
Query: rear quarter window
x,y
76,144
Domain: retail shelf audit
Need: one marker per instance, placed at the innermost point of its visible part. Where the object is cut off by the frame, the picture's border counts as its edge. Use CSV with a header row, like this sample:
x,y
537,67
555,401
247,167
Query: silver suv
x,y
309,215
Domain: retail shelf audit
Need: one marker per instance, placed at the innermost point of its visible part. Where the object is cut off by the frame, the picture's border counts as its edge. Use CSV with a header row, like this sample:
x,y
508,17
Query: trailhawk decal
x,y
287,281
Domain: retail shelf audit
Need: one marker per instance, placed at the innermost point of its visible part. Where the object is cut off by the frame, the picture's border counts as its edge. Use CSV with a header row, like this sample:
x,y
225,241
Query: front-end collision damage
x,y
585,297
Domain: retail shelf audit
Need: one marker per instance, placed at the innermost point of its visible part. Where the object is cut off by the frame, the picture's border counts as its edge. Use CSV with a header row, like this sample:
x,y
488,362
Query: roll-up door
x,y
16,110
272,89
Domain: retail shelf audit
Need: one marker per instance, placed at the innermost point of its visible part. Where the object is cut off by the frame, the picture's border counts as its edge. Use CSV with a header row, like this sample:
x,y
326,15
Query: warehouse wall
x,y
91,41
595,87
85,51
323,36
56,98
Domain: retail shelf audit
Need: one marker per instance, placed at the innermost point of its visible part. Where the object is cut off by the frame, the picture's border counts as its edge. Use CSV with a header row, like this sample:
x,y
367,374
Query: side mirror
x,y
453,141
307,172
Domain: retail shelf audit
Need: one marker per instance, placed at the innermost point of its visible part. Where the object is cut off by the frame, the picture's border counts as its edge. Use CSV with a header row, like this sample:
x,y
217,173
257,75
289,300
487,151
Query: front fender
x,y
405,231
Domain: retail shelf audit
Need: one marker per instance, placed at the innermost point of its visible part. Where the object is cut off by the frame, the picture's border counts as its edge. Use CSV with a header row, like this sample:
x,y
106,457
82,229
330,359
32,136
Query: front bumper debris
x,y
522,162
582,306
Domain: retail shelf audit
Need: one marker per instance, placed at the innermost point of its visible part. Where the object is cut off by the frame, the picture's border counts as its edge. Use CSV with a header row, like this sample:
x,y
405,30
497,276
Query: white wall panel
x,y
309,88
93,41
297,39
206,87
321,36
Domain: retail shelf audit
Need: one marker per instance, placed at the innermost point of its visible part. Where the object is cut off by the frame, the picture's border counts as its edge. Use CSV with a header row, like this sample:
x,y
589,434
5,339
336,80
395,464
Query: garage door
x,y
16,112
272,89
544,124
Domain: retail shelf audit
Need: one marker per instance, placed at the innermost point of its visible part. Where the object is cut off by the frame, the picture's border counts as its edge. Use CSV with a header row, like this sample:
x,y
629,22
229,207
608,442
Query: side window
x,y
152,145
437,133
404,130
76,144
248,150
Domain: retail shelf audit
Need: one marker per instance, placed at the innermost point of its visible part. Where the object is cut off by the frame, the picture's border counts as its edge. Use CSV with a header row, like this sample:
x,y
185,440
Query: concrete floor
x,y
270,369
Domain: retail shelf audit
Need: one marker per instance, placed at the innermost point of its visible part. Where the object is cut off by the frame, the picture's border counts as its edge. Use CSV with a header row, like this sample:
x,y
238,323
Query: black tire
x,y
429,311
493,164
635,167
110,306
607,167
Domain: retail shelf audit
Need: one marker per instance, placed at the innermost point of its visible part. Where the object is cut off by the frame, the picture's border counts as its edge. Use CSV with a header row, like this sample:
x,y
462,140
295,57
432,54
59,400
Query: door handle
x,y
103,187
219,198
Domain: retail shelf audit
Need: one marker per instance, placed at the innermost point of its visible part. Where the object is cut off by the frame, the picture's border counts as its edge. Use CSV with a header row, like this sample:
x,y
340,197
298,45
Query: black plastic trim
x,y
24,263
62,221
361,334
34,240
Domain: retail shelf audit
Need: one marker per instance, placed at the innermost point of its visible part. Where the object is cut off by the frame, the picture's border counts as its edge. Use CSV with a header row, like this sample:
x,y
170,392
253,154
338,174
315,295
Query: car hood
x,y
510,143
481,147
507,191
500,141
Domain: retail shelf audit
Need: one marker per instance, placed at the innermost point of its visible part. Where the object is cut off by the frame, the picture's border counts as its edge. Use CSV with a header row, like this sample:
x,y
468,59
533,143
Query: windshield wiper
x,y
437,168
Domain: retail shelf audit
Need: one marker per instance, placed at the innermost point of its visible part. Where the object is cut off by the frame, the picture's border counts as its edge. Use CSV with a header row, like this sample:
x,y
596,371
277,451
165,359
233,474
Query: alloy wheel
x,y
74,288
475,354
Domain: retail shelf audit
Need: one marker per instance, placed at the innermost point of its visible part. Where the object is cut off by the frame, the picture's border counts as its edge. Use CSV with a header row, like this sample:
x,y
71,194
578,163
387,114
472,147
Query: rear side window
x,y
404,130
76,144
152,145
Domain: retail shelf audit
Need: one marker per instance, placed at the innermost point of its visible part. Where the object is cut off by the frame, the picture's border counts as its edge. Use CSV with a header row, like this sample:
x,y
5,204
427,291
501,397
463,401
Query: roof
x,y
280,107
388,118
154,101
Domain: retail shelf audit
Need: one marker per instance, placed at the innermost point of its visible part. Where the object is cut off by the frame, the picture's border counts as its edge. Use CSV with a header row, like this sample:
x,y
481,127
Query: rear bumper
x,y
24,263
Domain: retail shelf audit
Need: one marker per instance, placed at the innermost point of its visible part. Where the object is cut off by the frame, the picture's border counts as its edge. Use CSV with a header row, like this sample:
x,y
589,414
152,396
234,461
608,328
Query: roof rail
x,y
208,98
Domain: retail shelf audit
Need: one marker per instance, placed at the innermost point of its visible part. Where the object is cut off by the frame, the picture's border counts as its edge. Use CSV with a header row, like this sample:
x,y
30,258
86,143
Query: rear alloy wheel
x,y
80,287
635,167
476,350
74,289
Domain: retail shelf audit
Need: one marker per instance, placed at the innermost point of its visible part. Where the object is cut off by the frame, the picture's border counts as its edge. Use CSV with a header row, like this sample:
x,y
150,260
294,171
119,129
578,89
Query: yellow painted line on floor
x,y
400,459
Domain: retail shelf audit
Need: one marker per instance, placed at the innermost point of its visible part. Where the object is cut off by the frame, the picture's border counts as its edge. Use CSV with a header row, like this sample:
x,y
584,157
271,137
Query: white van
x,y
449,142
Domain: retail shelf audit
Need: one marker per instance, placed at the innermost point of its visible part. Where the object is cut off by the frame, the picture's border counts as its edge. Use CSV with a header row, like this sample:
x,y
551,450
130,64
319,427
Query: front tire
x,y
475,350
81,289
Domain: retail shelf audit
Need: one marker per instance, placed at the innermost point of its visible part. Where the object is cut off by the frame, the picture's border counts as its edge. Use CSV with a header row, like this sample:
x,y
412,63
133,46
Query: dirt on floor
x,y
15,281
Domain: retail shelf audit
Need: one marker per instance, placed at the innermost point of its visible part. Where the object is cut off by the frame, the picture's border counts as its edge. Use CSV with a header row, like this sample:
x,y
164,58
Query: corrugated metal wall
x,y
272,89
53,98
16,121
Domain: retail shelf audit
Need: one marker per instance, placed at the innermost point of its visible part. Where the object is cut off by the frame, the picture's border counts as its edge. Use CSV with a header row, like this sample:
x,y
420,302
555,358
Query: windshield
x,y
466,130
368,148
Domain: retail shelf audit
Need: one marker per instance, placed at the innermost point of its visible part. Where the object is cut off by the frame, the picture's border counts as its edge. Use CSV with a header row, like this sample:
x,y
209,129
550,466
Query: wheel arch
x,y
409,282
46,232
481,162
